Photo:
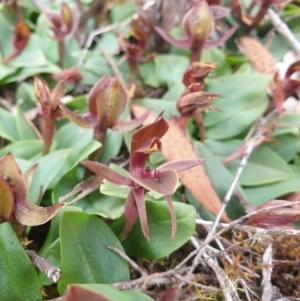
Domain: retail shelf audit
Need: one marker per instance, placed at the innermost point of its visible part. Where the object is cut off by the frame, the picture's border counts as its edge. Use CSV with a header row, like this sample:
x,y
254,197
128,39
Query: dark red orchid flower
x,y
193,101
197,25
20,40
49,108
134,46
197,72
63,23
13,197
106,103
141,179
275,218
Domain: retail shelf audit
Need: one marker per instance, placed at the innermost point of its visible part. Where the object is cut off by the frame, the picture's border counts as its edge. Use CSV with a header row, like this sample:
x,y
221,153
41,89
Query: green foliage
x,y
85,257
14,264
77,237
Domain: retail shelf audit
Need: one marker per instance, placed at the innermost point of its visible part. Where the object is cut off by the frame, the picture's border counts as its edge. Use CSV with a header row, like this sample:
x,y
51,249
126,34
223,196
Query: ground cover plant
x,y
144,159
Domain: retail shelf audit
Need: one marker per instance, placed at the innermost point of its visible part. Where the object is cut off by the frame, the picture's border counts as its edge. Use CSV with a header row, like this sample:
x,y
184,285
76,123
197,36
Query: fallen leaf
x,y
259,56
176,145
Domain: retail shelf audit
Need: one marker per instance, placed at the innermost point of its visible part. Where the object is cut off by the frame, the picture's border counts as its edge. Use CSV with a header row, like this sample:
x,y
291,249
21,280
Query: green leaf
x,y
289,124
170,69
95,202
23,149
238,93
159,221
121,12
79,141
147,71
240,118
6,71
223,148
47,250
111,189
287,146
19,280
216,55
31,56
159,105
261,194
26,131
109,42
113,144
220,178
30,71
48,168
263,167
116,295
85,257
8,128
25,96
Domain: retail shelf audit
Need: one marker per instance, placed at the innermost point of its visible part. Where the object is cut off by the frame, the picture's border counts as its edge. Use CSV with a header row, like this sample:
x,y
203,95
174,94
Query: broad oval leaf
x,y
19,280
85,257
48,169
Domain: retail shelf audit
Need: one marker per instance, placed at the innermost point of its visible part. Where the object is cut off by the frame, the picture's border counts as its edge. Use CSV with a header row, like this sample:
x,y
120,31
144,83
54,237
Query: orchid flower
x,y
198,24
49,110
134,46
63,24
141,179
13,197
20,40
106,103
194,100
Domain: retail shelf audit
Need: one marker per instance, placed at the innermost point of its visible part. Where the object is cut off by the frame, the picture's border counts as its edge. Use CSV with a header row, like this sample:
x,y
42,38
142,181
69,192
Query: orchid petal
x,y
130,213
125,126
223,39
154,130
7,201
88,121
165,184
181,43
11,170
141,207
32,215
107,100
108,173
218,11
173,215
180,165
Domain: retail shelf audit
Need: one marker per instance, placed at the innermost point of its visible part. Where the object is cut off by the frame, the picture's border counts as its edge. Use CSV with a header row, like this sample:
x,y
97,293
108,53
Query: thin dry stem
x,y
282,28
210,236
108,28
130,262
